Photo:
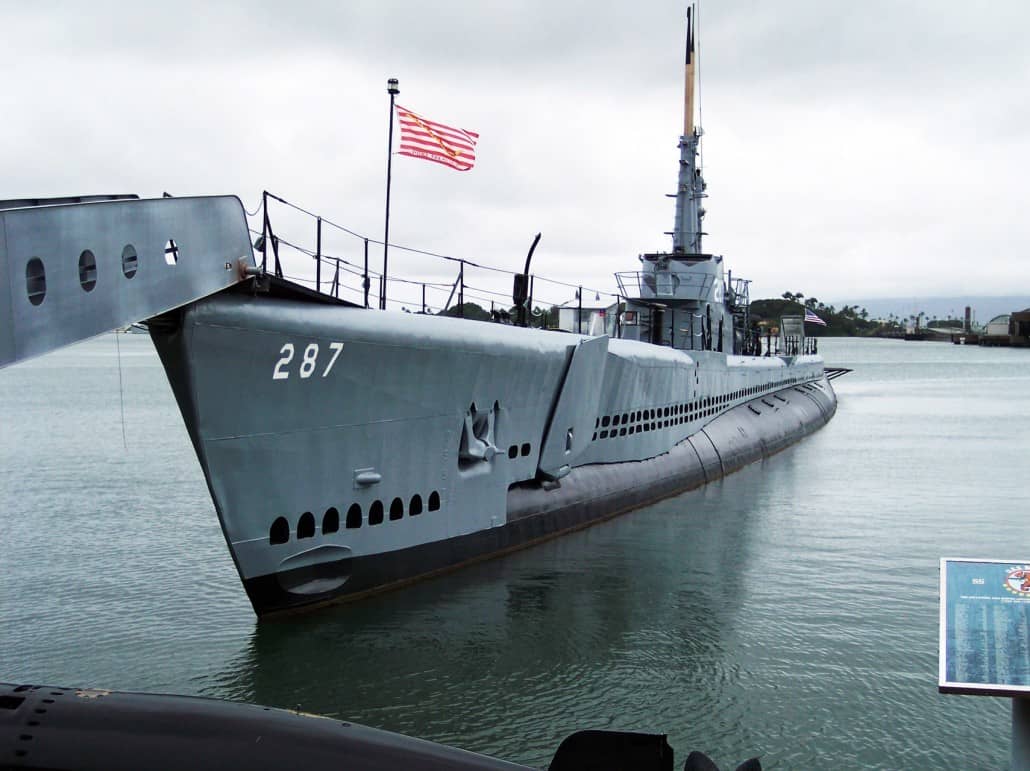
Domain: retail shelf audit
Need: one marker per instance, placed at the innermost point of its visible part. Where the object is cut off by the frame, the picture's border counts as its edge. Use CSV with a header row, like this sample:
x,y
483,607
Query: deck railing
x,y
335,260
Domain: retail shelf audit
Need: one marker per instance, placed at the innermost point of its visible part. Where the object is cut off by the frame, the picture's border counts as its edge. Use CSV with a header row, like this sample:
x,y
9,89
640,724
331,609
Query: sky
x,y
851,150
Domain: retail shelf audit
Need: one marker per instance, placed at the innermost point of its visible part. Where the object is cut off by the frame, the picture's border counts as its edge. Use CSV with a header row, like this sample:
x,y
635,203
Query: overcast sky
x,y
851,150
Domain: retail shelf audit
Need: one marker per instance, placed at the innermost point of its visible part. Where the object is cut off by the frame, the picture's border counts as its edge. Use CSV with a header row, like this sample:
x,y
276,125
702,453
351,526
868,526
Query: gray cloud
x,y
867,149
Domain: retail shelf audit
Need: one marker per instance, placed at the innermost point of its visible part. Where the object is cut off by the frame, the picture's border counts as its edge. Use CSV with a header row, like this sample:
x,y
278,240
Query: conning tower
x,y
682,298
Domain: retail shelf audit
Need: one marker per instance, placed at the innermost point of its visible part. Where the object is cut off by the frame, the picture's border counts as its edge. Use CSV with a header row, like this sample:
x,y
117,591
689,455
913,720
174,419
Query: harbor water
x,y
788,611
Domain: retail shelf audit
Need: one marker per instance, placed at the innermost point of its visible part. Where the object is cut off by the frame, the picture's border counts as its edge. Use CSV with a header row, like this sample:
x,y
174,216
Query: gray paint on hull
x,y
587,495
393,408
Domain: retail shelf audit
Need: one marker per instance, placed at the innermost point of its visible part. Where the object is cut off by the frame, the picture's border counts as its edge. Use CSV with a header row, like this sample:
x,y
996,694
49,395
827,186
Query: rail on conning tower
x,y
77,270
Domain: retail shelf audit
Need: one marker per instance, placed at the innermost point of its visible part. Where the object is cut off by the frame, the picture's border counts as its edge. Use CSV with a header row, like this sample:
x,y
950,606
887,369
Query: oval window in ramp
x,y
35,280
87,270
130,261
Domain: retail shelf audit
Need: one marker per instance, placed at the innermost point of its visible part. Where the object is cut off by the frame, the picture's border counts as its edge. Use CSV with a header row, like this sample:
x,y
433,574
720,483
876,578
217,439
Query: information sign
x,y
985,627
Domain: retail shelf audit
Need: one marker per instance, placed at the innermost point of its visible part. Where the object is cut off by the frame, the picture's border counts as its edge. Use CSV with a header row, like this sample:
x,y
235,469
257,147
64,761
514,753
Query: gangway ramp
x,y
72,271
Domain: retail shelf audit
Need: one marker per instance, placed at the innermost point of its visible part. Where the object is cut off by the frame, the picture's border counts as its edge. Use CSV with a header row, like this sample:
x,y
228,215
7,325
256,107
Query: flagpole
x,y
392,89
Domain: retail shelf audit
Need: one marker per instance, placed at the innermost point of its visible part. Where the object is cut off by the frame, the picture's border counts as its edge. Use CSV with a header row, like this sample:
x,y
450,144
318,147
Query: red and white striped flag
x,y
421,138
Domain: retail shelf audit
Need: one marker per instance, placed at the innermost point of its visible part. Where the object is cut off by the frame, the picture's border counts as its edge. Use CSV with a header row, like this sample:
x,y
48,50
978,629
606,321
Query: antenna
x,y
688,78
686,232
700,121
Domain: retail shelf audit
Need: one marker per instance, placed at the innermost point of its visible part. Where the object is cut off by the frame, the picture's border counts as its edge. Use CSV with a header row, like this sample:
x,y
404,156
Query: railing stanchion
x,y
336,280
318,257
579,311
264,232
530,301
365,283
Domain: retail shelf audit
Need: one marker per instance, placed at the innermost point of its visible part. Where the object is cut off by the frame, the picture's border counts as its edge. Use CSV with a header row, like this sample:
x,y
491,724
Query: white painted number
x,y
335,348
307,366
285,357
308,362
978,581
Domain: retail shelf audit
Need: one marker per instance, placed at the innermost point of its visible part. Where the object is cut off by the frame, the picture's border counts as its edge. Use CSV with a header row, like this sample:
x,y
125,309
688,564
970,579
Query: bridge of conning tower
x,y
685,301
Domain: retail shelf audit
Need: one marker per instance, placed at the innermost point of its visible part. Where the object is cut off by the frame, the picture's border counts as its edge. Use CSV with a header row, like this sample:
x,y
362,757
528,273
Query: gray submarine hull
x,y
418,444
587,495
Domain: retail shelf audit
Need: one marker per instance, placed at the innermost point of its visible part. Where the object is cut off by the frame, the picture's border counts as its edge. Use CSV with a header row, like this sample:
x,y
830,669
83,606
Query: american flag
x,y
809,316
422,138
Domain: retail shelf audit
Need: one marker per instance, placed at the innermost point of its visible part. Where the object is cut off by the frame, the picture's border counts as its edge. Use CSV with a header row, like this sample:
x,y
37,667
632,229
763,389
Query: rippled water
x,y
789,610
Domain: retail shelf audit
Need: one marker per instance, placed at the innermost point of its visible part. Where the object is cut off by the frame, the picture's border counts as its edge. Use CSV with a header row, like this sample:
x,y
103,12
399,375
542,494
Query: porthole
x,y
130,261
605,421
513,451
354,516
434,501
306,525
279,532
396,508
35,280
331,520
375,513
87,270
415,507
525,449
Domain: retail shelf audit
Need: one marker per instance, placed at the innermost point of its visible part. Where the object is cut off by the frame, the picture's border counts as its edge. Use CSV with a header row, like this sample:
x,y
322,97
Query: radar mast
x,y
686,235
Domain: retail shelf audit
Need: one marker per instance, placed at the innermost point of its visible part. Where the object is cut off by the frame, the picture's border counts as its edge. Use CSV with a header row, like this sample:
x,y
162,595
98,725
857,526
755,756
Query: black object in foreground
x,y
61,729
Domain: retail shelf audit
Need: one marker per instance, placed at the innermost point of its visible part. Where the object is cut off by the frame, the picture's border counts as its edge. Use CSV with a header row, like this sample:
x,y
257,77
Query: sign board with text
x,y
985,627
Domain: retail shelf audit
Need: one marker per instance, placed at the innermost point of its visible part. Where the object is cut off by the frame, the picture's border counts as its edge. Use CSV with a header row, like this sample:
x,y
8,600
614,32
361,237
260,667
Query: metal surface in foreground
x,y
75,728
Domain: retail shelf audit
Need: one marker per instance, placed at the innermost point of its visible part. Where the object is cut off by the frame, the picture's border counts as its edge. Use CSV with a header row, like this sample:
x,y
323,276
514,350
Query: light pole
x,y
392,88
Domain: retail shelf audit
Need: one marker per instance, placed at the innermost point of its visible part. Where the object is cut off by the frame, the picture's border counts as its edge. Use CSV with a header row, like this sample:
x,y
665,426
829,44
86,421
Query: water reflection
x,y
594,629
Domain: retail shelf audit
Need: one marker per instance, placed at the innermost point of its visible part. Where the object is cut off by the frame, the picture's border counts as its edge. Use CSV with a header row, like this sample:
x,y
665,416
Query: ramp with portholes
x,y
76,268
